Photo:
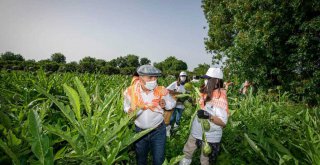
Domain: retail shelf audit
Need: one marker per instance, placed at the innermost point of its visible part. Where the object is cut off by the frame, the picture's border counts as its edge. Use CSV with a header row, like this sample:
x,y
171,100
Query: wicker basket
x,y
167,115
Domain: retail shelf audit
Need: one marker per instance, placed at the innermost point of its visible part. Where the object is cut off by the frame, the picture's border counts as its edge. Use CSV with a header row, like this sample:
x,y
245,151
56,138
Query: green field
x,y
71,118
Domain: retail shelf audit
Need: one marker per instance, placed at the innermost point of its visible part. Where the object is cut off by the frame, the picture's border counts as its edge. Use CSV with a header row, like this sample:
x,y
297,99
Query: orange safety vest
x,y
134,80
134,91
218,99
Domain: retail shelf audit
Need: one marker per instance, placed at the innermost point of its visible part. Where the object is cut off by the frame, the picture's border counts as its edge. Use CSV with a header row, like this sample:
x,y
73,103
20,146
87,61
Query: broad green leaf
x,y
74,100
8,151
67,113
165,162
40,142
83,94
60,154
280,147
97,98
255,148
49,160
112,156
5,120
111,135
64,135
35,127
176,159
32,103
12,139
103,159
135,137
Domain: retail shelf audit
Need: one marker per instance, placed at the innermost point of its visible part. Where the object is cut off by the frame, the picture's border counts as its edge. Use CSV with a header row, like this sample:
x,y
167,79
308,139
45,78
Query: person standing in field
x,y
175,88
214,111
245,87
150,101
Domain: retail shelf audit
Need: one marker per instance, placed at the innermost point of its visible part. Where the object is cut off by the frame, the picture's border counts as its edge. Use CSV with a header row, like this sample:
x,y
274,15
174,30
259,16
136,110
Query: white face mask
x,y
151,85
205,81
183,79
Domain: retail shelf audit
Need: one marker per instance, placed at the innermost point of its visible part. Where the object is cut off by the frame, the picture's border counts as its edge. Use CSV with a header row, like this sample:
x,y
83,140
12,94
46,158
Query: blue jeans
x,y
154,140
176,116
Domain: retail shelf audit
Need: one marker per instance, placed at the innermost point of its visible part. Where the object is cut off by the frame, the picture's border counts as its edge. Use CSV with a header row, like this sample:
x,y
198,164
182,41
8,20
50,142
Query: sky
x,y
105,29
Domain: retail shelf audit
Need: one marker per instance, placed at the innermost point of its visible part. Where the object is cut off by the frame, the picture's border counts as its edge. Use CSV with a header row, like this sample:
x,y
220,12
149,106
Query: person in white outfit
x,y
150,101
177,87
214,109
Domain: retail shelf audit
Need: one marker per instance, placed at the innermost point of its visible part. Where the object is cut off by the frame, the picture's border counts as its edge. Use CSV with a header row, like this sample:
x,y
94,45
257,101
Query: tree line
x,y
125,65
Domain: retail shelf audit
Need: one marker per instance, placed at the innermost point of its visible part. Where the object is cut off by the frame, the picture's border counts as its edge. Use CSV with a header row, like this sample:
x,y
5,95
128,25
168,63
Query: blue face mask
x,y
151,85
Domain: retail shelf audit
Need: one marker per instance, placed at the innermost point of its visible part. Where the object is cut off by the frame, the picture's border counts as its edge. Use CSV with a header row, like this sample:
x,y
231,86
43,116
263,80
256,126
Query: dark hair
x,y
179,81
135,74
213,84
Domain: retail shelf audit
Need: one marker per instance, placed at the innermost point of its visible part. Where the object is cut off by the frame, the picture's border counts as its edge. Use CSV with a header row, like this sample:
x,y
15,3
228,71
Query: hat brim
x,y
148,74
205,76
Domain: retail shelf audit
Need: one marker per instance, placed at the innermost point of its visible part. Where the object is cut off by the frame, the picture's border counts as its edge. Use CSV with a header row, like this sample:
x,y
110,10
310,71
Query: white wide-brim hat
x,y
183,73
214,73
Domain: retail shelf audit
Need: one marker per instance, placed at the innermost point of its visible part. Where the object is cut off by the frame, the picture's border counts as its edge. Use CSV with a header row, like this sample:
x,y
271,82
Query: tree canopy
x,y
58,58
171,65
144,61
269,42
9,56
201,69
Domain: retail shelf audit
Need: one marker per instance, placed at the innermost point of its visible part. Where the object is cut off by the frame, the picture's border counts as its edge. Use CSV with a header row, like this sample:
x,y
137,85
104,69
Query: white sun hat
x,y
214,73
183,73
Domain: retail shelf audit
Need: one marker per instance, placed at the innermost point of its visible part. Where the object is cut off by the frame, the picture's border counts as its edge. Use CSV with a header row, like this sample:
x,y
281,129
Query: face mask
x,y
183,79
151,85
205,82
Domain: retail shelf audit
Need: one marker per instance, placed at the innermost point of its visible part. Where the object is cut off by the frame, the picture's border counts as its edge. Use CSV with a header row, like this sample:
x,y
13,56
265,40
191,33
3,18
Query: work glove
x,y
202,114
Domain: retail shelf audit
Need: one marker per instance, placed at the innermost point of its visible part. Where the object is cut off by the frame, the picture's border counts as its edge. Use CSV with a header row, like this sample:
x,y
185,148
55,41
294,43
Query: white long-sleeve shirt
x,y
148,118
174,86
214,135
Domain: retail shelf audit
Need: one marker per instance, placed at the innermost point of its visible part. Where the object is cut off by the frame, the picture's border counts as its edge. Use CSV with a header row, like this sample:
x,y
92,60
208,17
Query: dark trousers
x,y
154,140
176,116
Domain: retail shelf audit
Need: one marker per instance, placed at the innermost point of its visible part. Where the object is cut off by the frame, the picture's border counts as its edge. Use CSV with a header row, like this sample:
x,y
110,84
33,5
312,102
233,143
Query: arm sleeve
x,y
126,101
222,114
170,102
172,86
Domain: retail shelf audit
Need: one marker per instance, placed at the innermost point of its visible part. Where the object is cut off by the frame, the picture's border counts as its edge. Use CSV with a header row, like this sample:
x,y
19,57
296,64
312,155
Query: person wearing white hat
x,y
213,73
214,110
150,101
195,79
177,87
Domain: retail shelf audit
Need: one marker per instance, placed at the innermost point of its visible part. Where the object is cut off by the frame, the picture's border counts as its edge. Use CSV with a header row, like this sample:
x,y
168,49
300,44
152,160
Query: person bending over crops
x,y
175,88
149,101
206,131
